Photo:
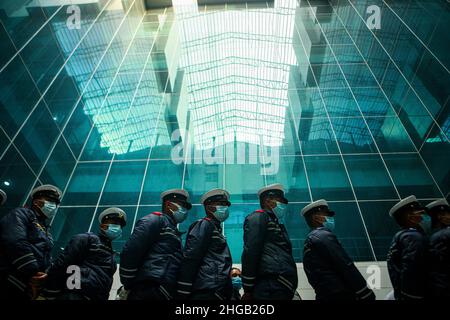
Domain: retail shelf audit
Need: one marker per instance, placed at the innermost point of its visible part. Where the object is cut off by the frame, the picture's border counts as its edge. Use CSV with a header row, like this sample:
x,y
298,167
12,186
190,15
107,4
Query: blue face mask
x,y
280,210
113,232
180,214
425,224
221,213
329,223
49,209
237,283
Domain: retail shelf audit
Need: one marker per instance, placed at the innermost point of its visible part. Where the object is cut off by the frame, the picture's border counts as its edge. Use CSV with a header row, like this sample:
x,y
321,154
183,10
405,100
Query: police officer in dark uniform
x,y
269,271
93,255
406,259
3,197
439,251
150,260
329,269
206,266
26,244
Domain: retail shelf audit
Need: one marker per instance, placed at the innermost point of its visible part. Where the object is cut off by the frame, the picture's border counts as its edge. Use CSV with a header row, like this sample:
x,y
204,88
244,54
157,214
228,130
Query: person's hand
x,y
36,283
247,296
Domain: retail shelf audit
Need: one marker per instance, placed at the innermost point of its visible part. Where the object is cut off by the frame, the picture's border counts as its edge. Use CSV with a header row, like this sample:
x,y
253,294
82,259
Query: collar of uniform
x,y
271,214
40,217
105,240
415,229
216,222
170,218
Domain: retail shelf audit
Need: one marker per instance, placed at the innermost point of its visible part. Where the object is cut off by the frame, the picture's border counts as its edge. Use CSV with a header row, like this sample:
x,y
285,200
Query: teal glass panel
x,y
380,226
369,177
18,96
234,230
59,166
351,232
411,176
340,103
358,75
242,181
390,135
37,137
290,172
77,129
327,178
16,179
437,156
353,136
347,54
86,183
306,103
6,47
328,76
200,178
317,136
161,175
372,102
4,141
123,184
297,229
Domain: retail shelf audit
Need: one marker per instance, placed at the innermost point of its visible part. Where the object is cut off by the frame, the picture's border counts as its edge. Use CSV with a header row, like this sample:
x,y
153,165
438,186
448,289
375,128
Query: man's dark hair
x,y
401,217
308,219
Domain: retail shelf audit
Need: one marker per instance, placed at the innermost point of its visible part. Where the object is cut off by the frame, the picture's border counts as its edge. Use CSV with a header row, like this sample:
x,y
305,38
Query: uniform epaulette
x,y
259,210
157,213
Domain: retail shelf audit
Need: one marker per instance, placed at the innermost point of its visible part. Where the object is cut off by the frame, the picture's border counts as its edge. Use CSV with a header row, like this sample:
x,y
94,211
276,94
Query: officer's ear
x,y
411,218
270,203
208,208
38,202
165,206
317,219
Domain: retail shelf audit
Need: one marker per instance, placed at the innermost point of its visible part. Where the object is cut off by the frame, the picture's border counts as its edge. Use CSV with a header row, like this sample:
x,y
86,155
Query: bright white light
x,y
7,183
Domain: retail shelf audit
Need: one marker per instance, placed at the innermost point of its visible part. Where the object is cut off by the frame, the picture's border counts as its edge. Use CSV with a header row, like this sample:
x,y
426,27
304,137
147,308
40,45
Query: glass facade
x,y
127,102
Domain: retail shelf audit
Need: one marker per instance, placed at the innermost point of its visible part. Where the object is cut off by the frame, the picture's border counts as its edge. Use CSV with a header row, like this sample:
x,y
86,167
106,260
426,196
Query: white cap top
x,y
402,203
47,187
176,191
215,192
312,205
3,197
437,203
275,186
120,214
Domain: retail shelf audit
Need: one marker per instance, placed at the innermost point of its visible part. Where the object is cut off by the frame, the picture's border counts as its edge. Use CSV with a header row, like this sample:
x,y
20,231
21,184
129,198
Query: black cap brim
x,y
187,205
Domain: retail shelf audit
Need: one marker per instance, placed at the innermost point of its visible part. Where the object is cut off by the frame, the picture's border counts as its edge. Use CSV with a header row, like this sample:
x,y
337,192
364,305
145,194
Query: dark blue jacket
x,y
267,252
206,262
329,269
406,262
439,265
25,246
94,256
152,253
